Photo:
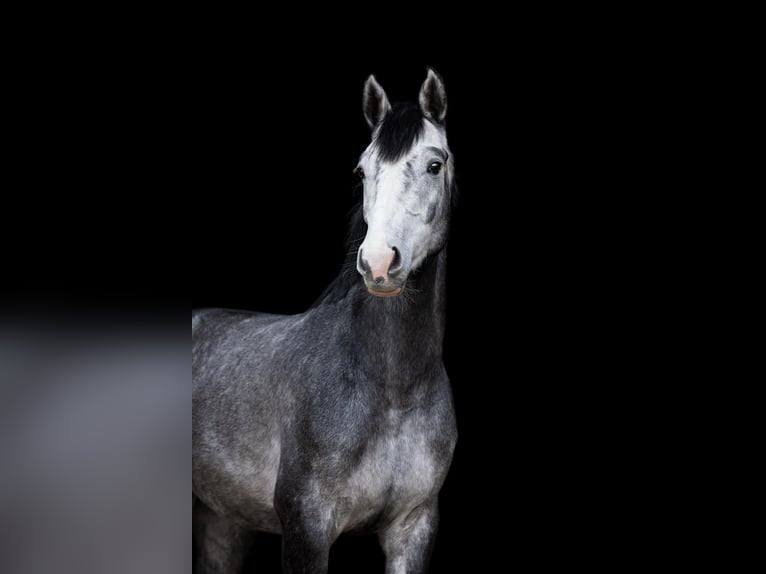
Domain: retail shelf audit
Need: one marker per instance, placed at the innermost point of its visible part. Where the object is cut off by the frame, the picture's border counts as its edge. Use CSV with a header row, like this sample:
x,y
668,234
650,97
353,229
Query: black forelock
x,y
401,127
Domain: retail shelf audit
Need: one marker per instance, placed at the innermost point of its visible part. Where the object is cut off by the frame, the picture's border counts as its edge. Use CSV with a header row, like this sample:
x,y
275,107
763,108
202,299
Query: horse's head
x,y
406,172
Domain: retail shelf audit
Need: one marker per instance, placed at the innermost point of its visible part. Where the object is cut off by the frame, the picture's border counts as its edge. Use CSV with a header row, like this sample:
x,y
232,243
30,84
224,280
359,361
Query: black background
x,y
560,259
541,275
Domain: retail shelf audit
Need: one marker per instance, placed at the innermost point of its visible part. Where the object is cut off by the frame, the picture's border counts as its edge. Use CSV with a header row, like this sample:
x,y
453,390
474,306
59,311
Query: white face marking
x,y
403,203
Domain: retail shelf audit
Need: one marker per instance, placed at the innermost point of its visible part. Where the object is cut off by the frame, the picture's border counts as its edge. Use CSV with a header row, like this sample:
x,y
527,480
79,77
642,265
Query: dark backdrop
x,y
556,286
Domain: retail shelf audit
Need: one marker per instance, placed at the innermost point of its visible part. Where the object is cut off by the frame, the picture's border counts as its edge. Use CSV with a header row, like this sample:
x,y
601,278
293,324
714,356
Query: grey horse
x,y
339,419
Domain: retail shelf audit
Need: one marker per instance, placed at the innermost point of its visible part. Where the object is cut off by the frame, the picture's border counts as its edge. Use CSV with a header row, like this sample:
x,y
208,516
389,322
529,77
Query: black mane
x,y
348,276
401,127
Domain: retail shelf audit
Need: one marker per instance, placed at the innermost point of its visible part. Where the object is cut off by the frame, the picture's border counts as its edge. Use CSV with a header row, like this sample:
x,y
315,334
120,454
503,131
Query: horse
x,y
340,419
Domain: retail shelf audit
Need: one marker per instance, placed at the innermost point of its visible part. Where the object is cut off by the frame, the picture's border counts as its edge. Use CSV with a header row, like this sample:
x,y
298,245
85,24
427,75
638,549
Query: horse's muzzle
x,y
377,293
383,274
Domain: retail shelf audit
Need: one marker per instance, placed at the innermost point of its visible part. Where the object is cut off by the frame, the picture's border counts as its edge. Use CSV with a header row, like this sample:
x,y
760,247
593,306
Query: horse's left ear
x,y
433,97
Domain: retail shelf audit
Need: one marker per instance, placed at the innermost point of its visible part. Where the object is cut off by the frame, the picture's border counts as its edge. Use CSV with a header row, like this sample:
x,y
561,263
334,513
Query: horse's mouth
x,y
381,293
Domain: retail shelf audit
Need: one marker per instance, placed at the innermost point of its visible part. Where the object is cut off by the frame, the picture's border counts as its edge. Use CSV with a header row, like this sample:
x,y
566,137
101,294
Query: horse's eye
x,y
359,172
435,167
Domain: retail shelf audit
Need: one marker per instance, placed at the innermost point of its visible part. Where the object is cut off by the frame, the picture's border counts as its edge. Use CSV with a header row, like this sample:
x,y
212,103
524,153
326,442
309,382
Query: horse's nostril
x,y
396,263
362,264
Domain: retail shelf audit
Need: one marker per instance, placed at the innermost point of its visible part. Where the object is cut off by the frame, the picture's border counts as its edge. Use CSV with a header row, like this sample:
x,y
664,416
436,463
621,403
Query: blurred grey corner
x,y
95,427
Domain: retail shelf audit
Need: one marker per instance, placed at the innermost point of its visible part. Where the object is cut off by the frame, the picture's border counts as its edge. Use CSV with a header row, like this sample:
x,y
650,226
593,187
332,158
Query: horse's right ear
x,y
374,102
433,97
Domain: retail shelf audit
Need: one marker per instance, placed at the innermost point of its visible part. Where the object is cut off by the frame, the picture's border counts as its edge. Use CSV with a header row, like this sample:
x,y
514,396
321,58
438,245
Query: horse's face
x,y
406,172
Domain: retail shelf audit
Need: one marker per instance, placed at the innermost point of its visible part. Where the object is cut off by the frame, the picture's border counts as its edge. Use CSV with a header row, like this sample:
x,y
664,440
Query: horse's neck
x,y
403,335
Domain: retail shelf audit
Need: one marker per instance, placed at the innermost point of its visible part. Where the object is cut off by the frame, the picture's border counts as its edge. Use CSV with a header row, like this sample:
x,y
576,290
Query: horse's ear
x,y
433,97
374,102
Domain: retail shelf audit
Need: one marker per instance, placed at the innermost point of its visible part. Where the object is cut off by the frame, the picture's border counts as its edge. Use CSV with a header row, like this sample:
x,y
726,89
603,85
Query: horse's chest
x,y
398,470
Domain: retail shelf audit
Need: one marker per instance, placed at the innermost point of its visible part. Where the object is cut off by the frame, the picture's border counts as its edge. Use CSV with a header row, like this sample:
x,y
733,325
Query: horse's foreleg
x,y
408,542
306,534
303,552
221,545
